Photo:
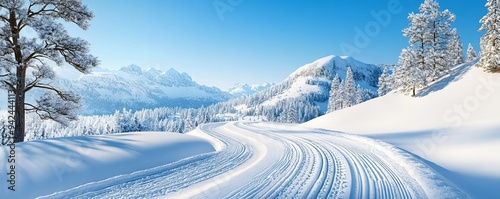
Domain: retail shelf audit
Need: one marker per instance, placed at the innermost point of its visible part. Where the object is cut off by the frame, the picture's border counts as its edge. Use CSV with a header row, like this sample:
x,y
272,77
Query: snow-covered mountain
x,y
104,91
314,79
242,90
307,89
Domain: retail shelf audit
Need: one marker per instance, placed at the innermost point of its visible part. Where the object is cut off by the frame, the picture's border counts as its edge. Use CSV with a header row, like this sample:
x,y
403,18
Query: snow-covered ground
x,y
47,166
453,123
267,160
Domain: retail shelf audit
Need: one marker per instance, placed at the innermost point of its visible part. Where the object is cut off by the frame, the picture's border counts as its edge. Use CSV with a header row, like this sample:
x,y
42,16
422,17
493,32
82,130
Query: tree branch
x,y
31,13
35,55
61,94
37,110
32,84
10,85
33,107
3,18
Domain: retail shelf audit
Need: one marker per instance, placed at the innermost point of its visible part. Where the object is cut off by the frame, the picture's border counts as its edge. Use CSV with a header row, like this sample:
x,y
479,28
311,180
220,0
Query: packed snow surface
x,y
266,160
47,166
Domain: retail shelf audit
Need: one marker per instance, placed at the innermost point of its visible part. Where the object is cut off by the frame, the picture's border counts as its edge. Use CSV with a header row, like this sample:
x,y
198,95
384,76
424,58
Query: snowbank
x,y
46,166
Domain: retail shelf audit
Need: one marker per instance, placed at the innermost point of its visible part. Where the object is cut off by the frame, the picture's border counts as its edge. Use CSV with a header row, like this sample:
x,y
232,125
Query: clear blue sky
x,y
253,41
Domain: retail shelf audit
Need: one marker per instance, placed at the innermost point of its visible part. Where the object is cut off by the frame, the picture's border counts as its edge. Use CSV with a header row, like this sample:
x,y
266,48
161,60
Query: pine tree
x,y
22,52
384,82
409,76
340,101
417,36
434,56
490,42
471,53
440,38
456,54
430,35
349,89
292,112
334,95
359,95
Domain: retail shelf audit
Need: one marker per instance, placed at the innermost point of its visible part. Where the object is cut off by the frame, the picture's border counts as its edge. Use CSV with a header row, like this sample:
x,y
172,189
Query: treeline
x,y
179,120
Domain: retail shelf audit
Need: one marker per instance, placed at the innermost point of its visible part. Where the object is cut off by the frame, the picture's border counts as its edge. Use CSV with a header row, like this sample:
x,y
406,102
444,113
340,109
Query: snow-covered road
x,y
262,160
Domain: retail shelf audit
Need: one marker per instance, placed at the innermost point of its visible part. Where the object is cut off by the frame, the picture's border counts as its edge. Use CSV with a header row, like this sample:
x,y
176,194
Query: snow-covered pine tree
x,y
384,82
433,52
188,123
439,36
408,74
471,53
22,52
490,42
359,95
340,102
334,95
417,36
456,49
349,90
292,112
429,35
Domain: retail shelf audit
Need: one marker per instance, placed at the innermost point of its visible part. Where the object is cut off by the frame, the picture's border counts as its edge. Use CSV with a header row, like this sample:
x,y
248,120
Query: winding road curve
x,y
263,160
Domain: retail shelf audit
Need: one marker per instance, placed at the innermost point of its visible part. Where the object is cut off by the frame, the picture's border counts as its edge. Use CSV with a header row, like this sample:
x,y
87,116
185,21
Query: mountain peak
x,y
241,90
132,69
172,71
186,76
153,71
172,77
330,65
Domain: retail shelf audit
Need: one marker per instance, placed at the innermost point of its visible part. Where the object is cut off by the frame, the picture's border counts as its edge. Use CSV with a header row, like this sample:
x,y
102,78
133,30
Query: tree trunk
x,y
19,117
19,114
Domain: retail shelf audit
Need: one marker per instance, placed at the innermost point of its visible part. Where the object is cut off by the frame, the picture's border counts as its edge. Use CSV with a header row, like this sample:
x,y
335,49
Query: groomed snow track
x,y
260,160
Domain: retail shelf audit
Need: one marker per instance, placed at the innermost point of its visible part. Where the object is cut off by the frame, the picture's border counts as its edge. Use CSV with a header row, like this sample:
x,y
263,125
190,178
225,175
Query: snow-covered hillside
x,y
453,122
47,166
104,91
314,79
243,90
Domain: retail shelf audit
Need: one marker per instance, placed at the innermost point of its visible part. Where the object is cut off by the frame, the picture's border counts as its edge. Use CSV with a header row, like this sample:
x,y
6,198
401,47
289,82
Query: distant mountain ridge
x,y
104,91
242,90
131,87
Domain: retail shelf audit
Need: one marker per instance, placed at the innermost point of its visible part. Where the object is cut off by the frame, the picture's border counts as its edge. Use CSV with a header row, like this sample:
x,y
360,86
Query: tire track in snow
x,y
171,179
271,161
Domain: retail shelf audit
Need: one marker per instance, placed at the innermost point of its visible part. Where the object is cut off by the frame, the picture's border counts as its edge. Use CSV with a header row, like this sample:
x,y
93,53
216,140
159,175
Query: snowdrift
x,y
46,166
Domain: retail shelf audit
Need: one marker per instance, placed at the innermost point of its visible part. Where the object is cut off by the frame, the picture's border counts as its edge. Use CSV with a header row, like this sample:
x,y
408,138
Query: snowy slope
x,y
242,90
266,160
315,78
453,123
104,91
52,165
